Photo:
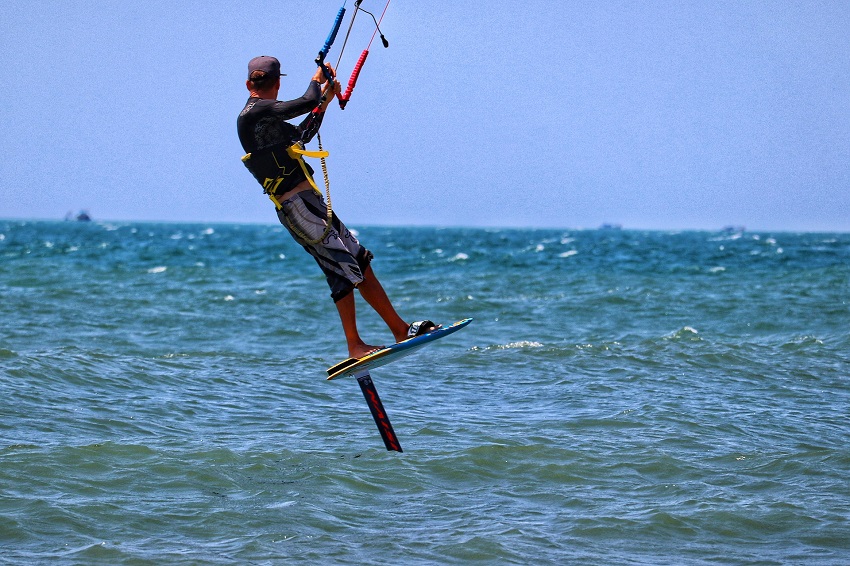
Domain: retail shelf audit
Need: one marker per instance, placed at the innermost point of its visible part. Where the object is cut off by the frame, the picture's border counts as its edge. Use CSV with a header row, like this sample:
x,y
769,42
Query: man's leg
x,y
336,256
357,348
375,295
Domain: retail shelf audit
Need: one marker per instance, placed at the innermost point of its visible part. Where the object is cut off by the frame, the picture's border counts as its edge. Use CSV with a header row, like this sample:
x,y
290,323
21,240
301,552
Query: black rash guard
x,y
263,131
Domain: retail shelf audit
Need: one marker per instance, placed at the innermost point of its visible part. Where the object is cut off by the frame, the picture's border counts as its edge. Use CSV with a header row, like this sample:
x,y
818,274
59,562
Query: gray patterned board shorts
x,y
340,256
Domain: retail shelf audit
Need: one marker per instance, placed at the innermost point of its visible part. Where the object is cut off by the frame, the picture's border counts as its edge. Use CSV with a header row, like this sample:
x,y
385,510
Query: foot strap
x,y
421,327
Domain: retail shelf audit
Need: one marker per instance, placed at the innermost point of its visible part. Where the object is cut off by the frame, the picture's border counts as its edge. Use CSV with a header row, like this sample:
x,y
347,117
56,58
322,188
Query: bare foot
x,y
362,350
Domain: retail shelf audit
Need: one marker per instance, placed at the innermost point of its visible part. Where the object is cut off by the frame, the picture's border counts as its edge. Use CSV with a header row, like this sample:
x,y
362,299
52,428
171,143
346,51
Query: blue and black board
x,y
378,358
359,369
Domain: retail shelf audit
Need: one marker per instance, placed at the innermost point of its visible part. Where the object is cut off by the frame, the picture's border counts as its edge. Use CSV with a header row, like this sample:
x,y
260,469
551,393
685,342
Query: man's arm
x,y
310,125
288,109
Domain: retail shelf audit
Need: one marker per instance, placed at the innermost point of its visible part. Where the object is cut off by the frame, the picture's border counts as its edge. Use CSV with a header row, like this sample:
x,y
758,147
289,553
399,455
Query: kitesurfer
x,y
269,140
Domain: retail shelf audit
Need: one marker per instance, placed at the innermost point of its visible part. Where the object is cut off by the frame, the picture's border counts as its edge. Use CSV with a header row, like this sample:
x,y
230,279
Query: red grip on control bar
x,y
352,81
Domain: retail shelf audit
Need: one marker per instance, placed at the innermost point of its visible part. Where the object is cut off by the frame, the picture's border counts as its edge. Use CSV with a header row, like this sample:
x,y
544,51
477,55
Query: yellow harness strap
x,y
305,152
297,153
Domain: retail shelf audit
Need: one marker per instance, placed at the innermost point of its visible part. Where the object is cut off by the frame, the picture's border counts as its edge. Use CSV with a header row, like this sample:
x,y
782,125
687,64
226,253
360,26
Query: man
x,y
275,150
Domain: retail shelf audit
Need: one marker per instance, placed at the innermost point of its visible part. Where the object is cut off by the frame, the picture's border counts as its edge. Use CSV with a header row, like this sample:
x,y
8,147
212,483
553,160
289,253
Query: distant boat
x,y
608,226
82,216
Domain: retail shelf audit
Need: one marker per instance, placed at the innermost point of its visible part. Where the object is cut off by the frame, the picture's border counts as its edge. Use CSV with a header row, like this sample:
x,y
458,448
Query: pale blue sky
x,y
648,114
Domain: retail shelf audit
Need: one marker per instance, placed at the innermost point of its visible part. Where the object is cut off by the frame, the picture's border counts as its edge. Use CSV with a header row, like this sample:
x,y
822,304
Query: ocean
x,y
621,397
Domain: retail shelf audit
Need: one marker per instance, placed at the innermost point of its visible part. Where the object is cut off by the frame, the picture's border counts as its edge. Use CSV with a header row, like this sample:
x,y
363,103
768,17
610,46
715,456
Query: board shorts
x,y
340,256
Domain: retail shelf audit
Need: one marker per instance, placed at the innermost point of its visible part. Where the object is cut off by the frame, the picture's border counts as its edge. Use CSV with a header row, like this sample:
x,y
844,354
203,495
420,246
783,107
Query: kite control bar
x,y
355,73
352,80
320,59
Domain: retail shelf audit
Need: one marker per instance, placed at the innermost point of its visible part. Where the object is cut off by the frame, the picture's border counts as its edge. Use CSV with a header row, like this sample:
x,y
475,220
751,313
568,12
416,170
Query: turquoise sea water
x,y
621,397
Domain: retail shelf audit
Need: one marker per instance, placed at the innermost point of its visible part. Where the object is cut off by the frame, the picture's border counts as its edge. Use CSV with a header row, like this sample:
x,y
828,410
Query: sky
x,y
650,115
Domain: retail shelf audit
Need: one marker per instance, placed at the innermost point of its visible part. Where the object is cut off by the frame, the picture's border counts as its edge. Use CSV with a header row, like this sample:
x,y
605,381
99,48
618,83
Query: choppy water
x,y
621,398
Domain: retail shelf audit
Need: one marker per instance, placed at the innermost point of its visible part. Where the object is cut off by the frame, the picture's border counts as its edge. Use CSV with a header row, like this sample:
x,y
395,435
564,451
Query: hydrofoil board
x,y
357,366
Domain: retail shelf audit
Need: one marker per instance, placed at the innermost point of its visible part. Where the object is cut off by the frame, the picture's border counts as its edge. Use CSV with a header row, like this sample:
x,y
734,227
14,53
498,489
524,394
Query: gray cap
x,y
266,64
